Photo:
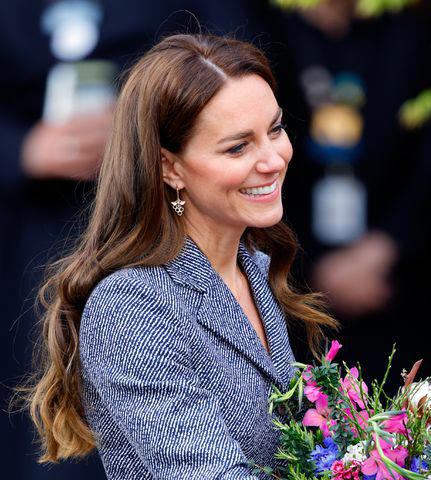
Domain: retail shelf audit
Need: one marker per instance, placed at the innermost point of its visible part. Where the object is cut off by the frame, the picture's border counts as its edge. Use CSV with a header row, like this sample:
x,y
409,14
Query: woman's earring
x,y
178,204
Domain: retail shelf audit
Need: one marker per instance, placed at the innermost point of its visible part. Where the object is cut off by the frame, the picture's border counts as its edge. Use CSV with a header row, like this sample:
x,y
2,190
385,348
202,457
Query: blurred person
x,y
71,150
357,277
46,174
356,169
41,163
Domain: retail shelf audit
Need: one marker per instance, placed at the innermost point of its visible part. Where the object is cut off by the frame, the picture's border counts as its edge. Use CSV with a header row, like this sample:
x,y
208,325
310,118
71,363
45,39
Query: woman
x,y
165,328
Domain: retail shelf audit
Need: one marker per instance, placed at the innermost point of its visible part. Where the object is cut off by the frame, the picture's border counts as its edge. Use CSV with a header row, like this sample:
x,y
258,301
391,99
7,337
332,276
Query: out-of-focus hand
x,y
356,278
71,150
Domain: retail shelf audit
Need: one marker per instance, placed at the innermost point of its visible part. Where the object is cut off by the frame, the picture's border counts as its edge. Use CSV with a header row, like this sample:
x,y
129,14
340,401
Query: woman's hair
x,y
132,222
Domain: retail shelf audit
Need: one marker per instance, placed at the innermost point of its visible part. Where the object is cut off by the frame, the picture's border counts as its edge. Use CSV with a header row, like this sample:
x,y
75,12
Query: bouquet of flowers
x,y
349,432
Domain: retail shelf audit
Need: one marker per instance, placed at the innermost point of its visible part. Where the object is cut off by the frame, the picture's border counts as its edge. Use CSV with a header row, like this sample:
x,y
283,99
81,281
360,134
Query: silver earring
x,y
178,204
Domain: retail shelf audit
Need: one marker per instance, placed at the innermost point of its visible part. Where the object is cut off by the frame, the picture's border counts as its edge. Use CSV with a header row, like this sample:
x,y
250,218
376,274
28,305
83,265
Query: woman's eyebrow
x,y
248,133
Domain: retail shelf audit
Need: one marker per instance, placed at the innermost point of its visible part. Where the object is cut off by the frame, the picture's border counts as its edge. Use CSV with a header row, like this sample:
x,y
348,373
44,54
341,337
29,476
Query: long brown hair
x,y
132,222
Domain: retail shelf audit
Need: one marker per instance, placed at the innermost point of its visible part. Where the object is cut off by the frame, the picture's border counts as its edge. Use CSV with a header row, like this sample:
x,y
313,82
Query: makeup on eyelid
x,y
236,149
247,133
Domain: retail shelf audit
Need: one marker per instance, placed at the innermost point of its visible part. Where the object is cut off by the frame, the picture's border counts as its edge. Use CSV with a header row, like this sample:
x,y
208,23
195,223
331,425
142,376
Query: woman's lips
x,y
261,189
262,197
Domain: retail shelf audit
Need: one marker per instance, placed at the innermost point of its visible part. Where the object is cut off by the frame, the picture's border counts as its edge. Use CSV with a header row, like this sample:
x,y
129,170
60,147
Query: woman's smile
x,y
227,188
266,192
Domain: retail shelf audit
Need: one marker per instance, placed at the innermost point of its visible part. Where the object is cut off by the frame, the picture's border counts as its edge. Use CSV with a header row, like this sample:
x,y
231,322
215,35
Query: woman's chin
x,y
266,220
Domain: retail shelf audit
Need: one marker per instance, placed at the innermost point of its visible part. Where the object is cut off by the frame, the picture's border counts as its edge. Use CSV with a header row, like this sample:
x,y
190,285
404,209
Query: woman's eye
x,y
237,149
278,128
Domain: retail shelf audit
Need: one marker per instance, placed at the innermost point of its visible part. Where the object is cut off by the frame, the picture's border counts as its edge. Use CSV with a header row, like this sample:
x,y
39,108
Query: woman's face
x,y
232,168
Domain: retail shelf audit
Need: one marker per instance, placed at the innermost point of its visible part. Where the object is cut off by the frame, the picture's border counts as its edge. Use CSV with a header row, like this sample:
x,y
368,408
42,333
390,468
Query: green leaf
x,y
300,393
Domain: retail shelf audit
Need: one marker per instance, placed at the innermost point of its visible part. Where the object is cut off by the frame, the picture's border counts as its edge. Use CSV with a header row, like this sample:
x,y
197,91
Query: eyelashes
x,y
278,128
237,149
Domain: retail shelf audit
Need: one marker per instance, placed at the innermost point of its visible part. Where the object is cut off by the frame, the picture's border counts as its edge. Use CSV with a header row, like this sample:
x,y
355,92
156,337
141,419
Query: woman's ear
x,y
171,170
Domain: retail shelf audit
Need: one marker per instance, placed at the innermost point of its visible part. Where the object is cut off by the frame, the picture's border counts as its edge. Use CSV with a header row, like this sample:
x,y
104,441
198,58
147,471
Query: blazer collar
x,y
192,269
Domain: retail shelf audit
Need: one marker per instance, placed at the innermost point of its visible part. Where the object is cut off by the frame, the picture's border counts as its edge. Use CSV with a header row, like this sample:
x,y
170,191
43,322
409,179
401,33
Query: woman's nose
x,y
272,159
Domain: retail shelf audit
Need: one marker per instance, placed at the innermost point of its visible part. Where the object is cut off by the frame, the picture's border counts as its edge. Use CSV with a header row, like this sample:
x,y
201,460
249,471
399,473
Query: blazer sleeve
x,y
135,351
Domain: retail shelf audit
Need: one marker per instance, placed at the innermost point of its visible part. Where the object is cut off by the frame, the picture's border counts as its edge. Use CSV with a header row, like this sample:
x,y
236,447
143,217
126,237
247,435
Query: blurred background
x,y
355,85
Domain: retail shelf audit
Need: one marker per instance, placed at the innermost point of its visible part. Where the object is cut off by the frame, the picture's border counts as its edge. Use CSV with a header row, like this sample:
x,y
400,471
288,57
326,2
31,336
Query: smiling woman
x,y
232,181
166,327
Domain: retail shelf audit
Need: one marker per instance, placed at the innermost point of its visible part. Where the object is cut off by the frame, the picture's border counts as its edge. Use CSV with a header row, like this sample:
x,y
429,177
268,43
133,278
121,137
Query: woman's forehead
x,y
240,104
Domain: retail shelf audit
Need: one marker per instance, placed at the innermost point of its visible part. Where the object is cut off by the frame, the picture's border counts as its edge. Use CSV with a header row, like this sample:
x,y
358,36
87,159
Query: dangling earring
x,y
178,204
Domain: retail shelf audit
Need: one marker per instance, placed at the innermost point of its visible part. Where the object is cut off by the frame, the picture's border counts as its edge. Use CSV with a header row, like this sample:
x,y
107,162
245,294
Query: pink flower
x,y
396,424
361,418
318,417
337,467
308,377
350,385
313,393
343,472
335,346
374,464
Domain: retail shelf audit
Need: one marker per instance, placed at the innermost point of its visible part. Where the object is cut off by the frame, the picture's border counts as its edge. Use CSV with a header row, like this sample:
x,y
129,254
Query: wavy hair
x,y
131,222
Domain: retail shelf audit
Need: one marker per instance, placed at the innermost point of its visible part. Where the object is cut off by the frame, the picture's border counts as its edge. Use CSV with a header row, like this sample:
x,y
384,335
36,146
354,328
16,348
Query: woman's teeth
x,y
259,190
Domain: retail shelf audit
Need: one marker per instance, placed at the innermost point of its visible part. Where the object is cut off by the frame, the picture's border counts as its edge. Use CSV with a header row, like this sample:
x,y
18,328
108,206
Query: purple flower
x,y
416,465
325,456
330,444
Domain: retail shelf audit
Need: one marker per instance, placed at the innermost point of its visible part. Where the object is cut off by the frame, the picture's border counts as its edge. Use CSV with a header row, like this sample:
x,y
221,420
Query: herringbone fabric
x,y
175,378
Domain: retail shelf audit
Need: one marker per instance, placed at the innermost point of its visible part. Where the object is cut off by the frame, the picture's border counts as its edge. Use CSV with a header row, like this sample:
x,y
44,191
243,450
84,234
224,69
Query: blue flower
x,y
325,456
330,444
416,465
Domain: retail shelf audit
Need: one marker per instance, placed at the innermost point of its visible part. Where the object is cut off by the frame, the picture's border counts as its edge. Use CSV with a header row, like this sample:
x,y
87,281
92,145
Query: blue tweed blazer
x,y
175,380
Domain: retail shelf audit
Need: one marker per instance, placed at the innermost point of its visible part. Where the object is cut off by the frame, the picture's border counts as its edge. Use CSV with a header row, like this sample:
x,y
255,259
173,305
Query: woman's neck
x,y
221,250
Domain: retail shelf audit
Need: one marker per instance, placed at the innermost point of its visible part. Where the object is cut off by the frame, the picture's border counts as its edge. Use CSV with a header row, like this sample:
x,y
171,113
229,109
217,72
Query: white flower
x,y
419,391
355,452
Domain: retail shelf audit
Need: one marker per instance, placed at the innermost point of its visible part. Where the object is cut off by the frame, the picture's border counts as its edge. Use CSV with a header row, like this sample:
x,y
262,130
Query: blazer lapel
x,y
272,317
220,312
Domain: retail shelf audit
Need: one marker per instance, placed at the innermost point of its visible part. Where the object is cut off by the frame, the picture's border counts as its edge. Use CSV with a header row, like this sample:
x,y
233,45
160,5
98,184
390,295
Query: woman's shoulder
x,y
129,324
132,281
130,292
128,304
